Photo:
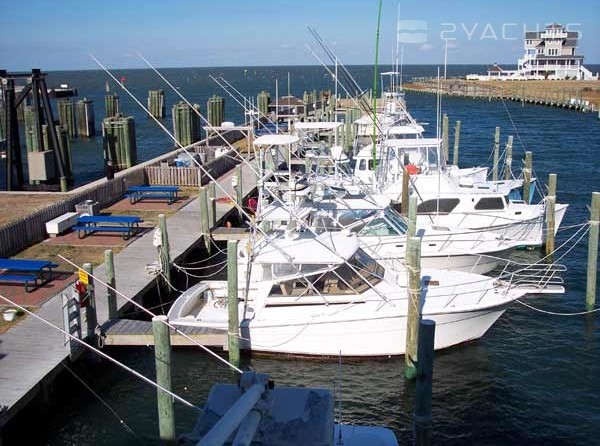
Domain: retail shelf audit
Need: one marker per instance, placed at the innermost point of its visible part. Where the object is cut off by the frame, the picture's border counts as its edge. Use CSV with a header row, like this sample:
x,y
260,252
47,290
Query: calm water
x,y
533,379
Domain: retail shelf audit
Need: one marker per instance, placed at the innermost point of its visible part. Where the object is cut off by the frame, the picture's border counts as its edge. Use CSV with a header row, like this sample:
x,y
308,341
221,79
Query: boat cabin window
x,y
378,227
489,203
353,277
443,206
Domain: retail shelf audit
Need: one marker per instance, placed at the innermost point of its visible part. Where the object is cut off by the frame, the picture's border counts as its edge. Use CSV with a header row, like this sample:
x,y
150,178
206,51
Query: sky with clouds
x,y
60,34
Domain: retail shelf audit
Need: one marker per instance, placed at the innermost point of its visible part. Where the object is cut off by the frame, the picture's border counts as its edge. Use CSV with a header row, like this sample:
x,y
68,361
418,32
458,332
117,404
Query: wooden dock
x,y
133,332
32,352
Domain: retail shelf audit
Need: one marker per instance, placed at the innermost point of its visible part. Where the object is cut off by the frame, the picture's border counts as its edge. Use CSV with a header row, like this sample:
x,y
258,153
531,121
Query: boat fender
x,y
412,169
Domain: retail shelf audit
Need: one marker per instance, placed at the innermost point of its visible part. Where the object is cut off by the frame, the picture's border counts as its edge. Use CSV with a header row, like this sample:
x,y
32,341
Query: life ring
x,y
412,169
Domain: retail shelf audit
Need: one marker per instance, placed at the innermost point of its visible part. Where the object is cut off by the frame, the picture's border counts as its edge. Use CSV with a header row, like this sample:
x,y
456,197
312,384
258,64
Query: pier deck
x,y
31,352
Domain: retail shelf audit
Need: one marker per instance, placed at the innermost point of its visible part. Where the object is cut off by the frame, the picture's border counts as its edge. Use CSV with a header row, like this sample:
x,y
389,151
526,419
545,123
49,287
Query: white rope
x,y
104,355
206,276
581,313
150,313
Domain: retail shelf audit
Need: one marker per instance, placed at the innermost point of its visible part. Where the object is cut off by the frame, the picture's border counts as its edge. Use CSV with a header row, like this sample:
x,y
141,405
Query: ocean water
x,y
533,379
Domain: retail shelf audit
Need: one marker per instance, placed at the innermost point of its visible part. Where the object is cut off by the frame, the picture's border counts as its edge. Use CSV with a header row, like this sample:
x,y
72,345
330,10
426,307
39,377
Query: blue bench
x,y
28,272
128,225
138,193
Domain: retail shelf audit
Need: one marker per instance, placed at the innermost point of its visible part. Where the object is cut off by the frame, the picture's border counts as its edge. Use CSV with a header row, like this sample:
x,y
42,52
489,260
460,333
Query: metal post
x,y
92,319
592,267
496,154
422,417
456,143
165,256
413,264
527,176
162,356
111,296
232,303
445,143
508,158
550,209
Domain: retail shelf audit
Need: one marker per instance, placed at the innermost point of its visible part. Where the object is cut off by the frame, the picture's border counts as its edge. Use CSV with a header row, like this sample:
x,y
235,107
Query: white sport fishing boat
x,y
325,295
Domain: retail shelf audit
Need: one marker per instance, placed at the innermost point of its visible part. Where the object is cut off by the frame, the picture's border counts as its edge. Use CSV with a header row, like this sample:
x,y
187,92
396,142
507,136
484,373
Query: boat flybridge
x,y
325,295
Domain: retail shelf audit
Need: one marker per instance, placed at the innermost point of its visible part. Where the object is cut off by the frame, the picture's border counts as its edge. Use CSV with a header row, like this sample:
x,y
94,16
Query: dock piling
x,y
239,192
456,143
156,103
405,189
204,217
111,296
508,158
162,358
86,126
112,105
527,176
212,204
92,319
232,303
412,217
550,209
422,417
592,266
66,116
496,154
165,255
413,264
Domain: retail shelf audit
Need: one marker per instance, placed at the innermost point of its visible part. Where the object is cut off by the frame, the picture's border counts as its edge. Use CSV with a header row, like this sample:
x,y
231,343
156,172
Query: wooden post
x,y
445,143
162,357
212,205
592,267
239,189
413,264
232,303
412,217
64,187
550,209
456,143
165,256
111,296
496,154
405,187
204,225
508,159
92,319
527,176
422,417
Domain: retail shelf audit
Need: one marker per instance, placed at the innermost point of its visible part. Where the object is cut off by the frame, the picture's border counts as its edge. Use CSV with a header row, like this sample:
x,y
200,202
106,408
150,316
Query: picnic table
x,y
138,193
36,272
126,224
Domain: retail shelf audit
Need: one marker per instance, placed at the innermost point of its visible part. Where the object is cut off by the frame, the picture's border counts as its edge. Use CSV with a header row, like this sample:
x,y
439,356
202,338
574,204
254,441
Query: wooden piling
x,y
212,205
413,264
162,358
445,143
592,266
239,188
119,141
92,319
508,159
156,103
232,303
111,105
422,418
186,124
204,218
456,143
496,154
66,116
111,296
412,217
405,190
86,125
550,209
527,176
165,254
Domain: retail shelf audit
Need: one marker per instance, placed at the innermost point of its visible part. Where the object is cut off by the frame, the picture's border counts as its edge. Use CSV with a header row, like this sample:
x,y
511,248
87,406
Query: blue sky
x,y
59,34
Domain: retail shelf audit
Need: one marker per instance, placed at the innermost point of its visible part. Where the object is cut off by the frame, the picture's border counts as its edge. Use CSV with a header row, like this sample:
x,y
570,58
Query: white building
x,y
549,54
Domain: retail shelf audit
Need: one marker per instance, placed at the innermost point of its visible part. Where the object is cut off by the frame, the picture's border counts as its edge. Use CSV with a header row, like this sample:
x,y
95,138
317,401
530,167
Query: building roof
x,y
533,34
554,26
570,42
572,35
495,68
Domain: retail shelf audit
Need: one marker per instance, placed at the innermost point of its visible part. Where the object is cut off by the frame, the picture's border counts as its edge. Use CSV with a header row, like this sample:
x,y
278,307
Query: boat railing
x,y
536,275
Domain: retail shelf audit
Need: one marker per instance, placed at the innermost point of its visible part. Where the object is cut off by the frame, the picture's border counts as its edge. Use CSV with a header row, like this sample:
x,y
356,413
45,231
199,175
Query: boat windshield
x,y
354,277
391,223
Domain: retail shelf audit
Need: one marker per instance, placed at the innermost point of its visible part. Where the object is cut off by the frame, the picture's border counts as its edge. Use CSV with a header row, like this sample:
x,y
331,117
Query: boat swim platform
x,y
31,352
129,332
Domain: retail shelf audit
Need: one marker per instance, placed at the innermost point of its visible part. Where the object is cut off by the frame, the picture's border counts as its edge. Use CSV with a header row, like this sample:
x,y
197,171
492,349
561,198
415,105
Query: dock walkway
x,y
32,352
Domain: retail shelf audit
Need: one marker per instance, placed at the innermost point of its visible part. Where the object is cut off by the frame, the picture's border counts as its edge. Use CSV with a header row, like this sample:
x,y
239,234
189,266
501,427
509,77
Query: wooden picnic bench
x,y
138,193
27,272
126,224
